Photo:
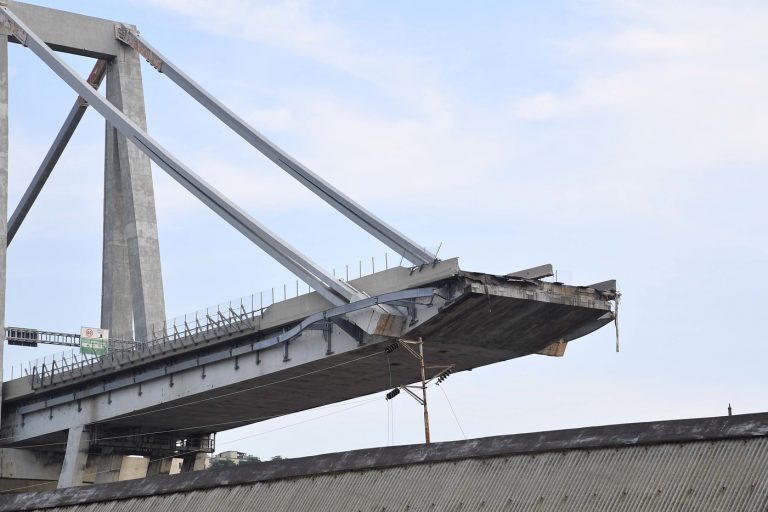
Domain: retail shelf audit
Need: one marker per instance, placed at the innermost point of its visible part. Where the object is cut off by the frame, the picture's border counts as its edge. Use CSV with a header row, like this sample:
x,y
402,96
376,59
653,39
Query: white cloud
x,y
673,93
431,146
668,91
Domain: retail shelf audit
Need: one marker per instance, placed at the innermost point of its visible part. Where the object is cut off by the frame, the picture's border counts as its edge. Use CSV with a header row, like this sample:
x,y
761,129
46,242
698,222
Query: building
x,y
232,457
713,464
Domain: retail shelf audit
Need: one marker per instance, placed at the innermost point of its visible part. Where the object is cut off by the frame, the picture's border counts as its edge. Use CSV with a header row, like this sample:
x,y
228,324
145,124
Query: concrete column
x,y
138,203
3,191
108,468
194,462
75,457
113,467
161,466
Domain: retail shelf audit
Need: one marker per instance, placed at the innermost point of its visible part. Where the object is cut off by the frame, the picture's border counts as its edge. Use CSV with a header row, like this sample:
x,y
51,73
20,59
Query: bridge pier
x,y
75,457
158,466
107,467
193,462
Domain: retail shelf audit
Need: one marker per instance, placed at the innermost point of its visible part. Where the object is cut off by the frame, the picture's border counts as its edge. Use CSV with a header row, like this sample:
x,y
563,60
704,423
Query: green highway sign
x,y
94,341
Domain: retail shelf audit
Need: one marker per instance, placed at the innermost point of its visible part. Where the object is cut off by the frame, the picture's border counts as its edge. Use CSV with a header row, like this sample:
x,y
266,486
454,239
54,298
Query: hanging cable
x,y
299,422
455,416
616,318
261,386
179,455
246,422
32,486
387,351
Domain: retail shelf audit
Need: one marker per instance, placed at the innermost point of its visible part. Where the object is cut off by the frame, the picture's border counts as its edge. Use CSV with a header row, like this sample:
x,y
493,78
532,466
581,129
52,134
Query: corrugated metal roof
x,y
721,475
713,474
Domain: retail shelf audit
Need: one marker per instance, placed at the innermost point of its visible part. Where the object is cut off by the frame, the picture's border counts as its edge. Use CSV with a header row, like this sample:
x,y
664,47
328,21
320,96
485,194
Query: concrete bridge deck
x,y
466,319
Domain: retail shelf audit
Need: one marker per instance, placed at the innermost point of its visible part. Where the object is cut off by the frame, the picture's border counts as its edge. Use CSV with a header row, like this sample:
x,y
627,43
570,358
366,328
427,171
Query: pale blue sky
x,y
613,139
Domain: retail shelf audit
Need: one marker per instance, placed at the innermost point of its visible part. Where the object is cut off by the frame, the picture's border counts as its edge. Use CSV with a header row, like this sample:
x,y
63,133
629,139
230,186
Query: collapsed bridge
x,y
157,394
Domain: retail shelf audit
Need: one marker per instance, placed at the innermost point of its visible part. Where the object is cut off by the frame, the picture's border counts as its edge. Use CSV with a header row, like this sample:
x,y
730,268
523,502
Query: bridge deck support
x,y
75,457
158,466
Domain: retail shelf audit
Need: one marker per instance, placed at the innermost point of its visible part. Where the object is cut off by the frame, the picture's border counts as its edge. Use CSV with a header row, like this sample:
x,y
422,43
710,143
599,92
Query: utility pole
x,y
441,375
424,390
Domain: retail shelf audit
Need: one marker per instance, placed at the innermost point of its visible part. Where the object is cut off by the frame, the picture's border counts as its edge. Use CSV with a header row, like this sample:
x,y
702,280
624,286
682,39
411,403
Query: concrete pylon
x,y
3,191
132,284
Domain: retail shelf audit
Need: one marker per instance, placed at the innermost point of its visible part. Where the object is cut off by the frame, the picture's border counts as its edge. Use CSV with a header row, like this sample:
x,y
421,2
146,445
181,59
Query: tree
x,y
217,463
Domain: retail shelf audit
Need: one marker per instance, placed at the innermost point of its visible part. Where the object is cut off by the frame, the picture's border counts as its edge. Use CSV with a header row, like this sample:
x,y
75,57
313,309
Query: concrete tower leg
x,y
116,305
3,190
75,458
134,194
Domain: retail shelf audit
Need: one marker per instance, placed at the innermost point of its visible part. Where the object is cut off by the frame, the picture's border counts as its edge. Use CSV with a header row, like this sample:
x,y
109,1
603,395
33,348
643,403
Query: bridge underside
x,y
477,331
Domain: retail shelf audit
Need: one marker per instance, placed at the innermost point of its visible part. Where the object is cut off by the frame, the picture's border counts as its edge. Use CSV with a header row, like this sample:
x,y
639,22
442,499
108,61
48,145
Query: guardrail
x,y
222,319
182,332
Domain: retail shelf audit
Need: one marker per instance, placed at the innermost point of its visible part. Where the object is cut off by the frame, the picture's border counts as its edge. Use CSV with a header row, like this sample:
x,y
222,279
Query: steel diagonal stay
x,y
54,153
333,290
330,194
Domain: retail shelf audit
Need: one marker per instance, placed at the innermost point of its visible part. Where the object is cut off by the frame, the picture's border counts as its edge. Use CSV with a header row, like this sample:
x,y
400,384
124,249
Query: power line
x,y
196,427
236,392
390,419
301,422
455,416
94,474
178,455
261,386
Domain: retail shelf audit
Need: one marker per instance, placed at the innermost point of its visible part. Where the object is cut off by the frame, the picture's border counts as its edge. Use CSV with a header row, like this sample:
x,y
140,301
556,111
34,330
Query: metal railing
x,y
180,331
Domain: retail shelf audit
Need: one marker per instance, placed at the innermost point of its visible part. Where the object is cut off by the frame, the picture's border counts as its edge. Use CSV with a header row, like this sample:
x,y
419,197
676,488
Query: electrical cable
x,y
236,392
387,402
176,456
197,427
453,411
261,386
299,422
179,455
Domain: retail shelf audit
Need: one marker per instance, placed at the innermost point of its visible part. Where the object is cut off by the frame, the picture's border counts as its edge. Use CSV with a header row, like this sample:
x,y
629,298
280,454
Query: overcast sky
x,y
614,139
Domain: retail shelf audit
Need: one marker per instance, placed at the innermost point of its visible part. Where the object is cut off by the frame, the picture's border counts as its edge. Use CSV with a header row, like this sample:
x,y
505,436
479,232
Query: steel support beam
x,y
356,213
53,155
335,291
